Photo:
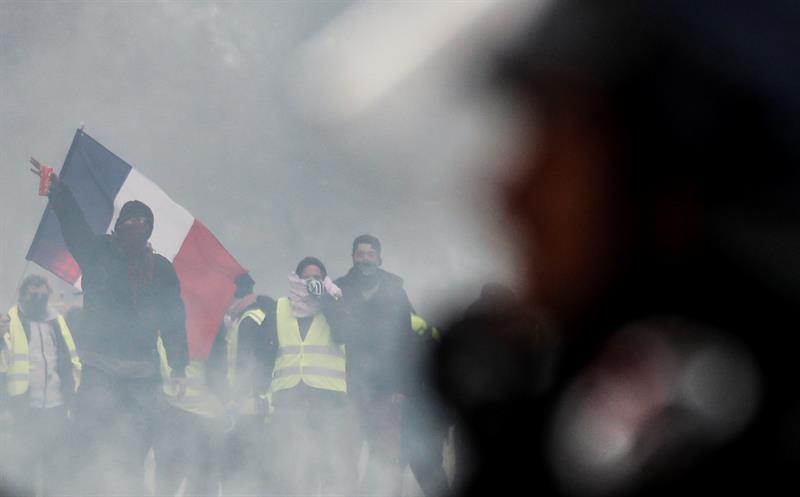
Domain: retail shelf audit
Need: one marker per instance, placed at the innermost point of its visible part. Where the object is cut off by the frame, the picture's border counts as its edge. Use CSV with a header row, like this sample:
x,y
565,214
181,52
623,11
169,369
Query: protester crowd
x,y
320,391
292,392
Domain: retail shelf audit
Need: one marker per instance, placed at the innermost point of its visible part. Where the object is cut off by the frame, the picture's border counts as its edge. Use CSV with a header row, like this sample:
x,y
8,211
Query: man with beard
x,y
373,319
40,373
130,294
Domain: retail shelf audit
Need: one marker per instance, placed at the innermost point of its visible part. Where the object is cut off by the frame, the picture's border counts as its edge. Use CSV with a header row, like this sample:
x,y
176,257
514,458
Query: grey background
x,y
203,99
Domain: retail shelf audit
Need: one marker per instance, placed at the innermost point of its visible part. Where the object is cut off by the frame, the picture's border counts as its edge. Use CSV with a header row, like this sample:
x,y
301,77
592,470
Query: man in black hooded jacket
x,y
130,294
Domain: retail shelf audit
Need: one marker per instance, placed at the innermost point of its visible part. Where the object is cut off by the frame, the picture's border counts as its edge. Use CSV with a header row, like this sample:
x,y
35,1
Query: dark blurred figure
x,y
239,375
424,423
465,353
494,297
491,362
656,200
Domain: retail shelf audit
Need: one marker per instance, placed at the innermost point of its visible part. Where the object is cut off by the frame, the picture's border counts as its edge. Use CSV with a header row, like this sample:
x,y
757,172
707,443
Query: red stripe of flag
x,y
206,272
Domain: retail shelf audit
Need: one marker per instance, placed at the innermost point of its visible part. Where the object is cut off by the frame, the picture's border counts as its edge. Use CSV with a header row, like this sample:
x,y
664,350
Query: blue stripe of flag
x,y
95,175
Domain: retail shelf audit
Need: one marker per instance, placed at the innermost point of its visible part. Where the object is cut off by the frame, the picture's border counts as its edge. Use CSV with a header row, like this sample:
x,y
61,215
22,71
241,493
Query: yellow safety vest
x,y
420,327
15,360
248,404
197,399
317,361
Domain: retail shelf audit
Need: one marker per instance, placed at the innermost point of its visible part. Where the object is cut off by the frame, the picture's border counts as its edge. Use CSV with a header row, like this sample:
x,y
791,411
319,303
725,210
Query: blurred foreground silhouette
x,y
655,200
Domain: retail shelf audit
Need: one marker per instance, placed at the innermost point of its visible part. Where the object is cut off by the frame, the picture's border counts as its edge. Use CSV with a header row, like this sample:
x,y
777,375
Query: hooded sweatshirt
x,y
121,316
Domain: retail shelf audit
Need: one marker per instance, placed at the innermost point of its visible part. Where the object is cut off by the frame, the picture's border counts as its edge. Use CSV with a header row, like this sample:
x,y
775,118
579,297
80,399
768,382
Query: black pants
x,y
187,447
424,432
243,459
116,422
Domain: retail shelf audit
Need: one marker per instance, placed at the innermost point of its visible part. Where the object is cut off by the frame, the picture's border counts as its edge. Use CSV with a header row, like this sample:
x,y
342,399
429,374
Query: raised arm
x,y
82,243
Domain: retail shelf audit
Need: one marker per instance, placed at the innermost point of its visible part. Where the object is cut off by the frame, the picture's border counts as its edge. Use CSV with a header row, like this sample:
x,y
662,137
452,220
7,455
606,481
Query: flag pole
x,y
24,272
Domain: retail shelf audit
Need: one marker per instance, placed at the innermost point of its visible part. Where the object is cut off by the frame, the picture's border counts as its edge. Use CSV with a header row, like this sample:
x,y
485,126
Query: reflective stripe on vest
x,y
246,405
73,352
197,399
15,360
316,361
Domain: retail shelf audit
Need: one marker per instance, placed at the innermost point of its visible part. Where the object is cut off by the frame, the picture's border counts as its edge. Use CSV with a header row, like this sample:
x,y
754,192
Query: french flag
x,y
102,183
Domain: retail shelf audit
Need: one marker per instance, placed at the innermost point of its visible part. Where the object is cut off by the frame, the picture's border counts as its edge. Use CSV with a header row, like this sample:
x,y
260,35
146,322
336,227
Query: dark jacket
x,y
251,357
253,360
63,367
378,335
120,326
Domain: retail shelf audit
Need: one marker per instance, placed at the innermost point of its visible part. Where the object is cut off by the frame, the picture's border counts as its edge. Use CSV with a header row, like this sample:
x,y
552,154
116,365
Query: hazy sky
x,y
213,103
